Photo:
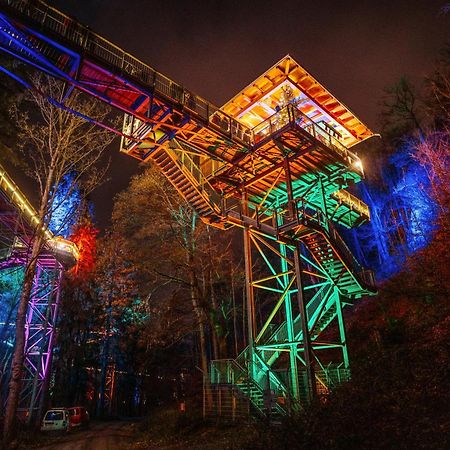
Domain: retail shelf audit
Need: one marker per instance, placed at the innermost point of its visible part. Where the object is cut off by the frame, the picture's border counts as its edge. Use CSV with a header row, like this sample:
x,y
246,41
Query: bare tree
x,y
432,153
183,267
401,110
55,142
438,90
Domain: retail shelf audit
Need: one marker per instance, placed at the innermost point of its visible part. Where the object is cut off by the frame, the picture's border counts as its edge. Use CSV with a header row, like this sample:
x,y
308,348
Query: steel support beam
x,y
307,349
249,291
342,330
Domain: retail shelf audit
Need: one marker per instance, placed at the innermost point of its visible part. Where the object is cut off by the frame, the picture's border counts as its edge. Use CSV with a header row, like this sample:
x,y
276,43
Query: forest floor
x,y
165,430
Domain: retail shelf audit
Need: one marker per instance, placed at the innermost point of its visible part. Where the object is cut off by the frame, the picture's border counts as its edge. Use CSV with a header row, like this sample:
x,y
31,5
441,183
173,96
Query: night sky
x,y
215,48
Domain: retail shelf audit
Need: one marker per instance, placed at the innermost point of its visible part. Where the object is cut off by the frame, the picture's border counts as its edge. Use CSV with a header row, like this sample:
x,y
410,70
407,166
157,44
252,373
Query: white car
x,y
56,419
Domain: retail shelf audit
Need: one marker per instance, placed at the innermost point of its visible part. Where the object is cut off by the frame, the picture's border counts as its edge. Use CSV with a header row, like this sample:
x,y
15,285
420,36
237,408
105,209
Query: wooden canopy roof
x,y
260,99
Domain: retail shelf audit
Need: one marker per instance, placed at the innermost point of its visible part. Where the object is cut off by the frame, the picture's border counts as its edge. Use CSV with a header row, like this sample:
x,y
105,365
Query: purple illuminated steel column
x,y
39,336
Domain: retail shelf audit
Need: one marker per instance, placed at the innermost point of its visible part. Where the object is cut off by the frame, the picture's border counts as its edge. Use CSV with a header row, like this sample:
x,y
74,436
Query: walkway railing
x,y
18,199
65,250
196,176
352,202
94,45
309,215
229,371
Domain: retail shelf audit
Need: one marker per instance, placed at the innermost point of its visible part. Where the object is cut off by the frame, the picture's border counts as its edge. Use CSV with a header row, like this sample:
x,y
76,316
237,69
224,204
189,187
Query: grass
x,y
167,428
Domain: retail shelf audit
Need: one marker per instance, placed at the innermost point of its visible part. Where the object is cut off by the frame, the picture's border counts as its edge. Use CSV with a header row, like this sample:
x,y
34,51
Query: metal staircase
x,y
180,171
230,374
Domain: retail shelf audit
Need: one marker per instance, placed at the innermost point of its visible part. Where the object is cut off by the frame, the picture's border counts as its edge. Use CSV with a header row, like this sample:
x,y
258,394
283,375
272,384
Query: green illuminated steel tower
x,y
289,206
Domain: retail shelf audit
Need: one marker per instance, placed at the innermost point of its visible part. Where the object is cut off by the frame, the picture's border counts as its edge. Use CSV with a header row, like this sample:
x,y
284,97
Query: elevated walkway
x,y
19,217
19,225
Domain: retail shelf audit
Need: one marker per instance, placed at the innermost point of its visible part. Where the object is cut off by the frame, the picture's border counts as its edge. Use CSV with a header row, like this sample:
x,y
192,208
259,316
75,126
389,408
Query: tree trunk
x,y
200,316
189,238
212,316
201,330
104,362
223,347
18,358
213,308
244,317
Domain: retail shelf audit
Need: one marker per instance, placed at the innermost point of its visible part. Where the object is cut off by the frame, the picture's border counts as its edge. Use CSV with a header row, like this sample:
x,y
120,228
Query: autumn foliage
x,y
85,237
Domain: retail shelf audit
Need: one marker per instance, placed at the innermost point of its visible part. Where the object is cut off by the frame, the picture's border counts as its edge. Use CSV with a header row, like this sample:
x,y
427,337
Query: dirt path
x,y
116,435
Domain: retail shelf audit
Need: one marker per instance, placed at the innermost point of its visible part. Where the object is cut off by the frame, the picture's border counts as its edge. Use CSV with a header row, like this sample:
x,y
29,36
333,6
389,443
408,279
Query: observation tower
x,y
278,161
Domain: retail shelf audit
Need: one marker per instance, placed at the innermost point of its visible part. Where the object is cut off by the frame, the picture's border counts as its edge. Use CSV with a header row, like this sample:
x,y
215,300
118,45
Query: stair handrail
x,y
266,368
272,376
196,177
326,226
311,305
357,269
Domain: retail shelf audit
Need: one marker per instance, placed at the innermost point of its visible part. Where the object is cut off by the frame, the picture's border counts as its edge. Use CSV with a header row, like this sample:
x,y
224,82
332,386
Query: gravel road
x,y
115,435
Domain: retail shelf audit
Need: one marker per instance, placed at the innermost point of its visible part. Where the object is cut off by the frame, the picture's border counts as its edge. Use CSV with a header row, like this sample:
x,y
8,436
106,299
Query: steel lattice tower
x,y
19,224
276,160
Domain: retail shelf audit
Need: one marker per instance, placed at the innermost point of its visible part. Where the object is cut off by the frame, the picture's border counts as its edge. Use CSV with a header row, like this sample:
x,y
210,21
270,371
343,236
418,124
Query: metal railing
x,y
196,174
291,115
308,214
352,202
333,375
18,199
230,372
224,403
312,310
303,212
227,371
94,45
62,248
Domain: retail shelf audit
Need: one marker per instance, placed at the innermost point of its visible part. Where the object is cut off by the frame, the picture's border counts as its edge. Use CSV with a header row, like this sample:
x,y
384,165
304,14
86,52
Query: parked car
x,y
79,416
56,419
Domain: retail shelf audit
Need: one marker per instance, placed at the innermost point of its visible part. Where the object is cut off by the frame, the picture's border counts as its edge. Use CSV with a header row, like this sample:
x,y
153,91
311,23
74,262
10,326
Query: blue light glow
x,y
11,280
402,215
65,208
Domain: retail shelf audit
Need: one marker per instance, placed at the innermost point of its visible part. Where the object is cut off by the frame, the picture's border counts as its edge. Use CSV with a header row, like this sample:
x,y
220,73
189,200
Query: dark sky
x,y
216,47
